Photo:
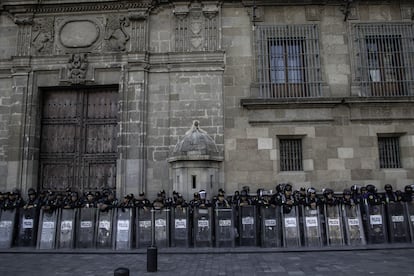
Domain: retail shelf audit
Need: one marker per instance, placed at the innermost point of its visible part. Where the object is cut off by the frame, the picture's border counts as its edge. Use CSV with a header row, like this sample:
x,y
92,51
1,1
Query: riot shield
x,y
271,231
311,227
123,228
66,228
180,227
28,227
162,227
225,228
7,227
86,228
354,229
376,224
397,222
46,235
247,226
333,225
290,225
202,227
143,227
410,217
104,229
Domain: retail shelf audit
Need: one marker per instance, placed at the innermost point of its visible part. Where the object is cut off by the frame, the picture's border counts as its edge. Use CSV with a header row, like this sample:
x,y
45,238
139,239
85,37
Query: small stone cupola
x,y
195,163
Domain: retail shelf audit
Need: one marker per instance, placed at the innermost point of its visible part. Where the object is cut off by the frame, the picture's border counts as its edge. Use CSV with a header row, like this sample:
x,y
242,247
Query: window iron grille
x,y
291,155
384,58
389,152
288,61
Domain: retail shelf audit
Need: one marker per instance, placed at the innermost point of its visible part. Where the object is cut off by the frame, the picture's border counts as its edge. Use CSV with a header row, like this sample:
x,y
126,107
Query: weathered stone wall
x,y
186,62
339,141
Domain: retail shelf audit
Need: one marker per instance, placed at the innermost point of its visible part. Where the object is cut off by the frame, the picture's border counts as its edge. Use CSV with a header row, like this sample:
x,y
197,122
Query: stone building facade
x,y
97,94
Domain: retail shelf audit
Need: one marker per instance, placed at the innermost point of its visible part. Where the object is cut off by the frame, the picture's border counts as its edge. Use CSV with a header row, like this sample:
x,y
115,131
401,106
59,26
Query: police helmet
x,y
408,189
388,188
288,187
347,192
371,188
31,191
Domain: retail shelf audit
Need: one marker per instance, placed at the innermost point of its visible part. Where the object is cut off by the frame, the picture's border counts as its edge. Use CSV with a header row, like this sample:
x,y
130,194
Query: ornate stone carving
x,y
313,13
26,19
116,33
407,12
43,35
196,26
77,68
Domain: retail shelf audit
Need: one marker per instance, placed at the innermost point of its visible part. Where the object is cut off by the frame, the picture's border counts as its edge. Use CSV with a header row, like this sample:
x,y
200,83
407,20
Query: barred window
x,y
290,154
384,58
389,152
288,61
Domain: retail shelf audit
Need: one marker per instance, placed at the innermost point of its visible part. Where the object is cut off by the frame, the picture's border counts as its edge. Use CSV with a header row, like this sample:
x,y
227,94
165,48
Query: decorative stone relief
x,y
196,26
407,12
77,68
79,34
313,13
25,28
43,35
116,33
139,29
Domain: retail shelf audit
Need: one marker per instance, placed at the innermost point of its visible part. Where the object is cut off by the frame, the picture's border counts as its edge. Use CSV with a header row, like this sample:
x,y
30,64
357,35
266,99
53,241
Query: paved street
x,y
356,263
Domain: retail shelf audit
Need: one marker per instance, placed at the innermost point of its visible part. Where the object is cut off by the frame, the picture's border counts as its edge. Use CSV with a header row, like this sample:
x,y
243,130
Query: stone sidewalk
x,y
391,261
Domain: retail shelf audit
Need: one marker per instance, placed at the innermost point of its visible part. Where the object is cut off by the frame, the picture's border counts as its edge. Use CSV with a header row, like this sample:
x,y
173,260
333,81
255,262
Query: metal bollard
x,y
121,271
152,258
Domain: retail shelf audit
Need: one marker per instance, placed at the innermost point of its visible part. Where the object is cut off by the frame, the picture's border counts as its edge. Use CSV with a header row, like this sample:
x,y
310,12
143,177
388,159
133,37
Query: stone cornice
x,y
327,102
58,7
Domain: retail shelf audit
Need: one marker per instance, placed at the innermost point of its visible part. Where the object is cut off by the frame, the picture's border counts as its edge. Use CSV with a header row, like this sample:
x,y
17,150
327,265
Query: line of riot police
x,y
286,218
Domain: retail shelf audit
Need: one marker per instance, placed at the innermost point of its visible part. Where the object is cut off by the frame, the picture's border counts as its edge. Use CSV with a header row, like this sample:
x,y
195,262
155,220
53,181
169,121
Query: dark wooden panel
x,y
57,176
99,175
58,138
60,104
79,139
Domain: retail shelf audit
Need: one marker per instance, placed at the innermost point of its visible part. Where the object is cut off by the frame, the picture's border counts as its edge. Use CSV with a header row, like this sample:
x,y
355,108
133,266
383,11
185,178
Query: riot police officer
x,y
180,202
288,200
329,198
389,195
221,201
159,202
108,201
347,198
244,199
14,200
204,202
73,202
127,202
141,201
312,201
89,201
408,193
32,201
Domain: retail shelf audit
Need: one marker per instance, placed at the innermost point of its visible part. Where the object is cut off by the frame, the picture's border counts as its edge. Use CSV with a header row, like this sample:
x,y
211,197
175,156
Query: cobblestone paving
x,y
396,262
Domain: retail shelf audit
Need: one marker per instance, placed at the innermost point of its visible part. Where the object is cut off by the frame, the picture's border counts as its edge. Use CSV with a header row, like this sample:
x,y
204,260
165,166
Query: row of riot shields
x,y
266,226
392,222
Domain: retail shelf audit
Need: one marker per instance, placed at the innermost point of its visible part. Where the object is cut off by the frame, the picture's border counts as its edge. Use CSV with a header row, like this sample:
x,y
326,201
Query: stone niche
x,y
195,163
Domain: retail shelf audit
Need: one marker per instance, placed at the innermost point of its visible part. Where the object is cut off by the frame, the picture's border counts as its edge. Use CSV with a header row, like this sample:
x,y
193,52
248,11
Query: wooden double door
x,y
78,147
